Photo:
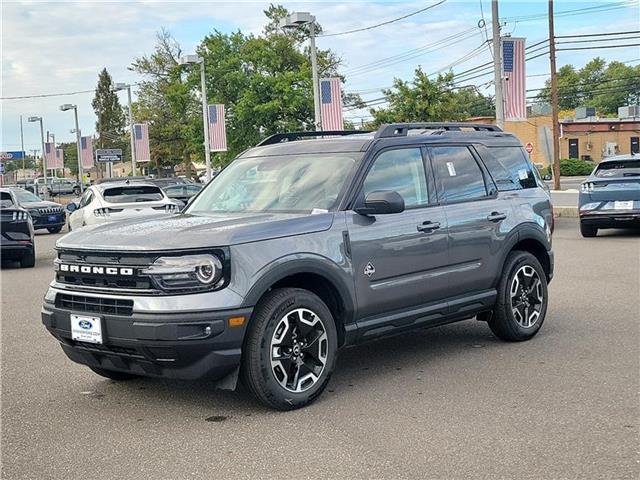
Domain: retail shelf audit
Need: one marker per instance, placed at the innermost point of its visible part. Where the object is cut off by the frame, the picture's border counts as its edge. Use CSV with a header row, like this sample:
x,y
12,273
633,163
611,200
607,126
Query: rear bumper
x,y
611,219
168,345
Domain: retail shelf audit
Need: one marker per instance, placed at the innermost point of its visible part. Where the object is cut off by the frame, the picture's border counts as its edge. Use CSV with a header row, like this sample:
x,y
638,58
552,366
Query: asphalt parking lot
x,y
447,403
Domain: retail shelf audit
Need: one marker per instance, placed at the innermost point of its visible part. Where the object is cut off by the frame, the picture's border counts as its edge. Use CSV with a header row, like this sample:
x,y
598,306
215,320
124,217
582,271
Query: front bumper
x,y
154,344
48,221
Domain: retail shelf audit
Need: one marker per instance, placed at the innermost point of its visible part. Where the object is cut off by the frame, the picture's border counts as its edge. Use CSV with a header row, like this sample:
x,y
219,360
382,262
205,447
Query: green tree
x,y
423,100
166,102
598,84
111,121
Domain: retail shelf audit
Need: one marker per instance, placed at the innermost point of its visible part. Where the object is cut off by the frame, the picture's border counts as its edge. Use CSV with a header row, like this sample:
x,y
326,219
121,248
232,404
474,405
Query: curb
x,y
565,212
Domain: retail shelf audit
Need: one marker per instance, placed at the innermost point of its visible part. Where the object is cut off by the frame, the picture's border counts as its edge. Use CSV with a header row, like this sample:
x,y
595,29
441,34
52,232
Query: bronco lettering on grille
x,y
95,270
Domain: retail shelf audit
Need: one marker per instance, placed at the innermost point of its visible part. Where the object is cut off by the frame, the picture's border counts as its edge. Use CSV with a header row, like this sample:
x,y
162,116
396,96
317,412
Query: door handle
x,y
496,216
428,227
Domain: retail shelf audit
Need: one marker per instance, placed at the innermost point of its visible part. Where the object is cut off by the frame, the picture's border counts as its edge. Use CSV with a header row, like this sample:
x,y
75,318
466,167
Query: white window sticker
x,y
317,211
452,169
523,174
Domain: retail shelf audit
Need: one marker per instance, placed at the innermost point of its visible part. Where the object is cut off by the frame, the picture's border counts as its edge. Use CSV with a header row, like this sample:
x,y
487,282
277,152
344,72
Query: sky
x,y
60,47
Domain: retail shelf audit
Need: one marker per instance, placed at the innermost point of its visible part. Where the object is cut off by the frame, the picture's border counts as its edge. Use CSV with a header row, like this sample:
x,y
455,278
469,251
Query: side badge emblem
x,y
369,270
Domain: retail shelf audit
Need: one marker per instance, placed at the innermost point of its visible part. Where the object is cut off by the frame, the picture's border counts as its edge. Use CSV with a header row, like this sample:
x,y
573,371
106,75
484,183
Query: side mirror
x,y
381,202
72,206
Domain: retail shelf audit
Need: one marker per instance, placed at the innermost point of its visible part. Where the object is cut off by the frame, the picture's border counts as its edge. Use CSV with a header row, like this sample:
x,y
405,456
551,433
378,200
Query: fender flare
x,y
306,263
527,231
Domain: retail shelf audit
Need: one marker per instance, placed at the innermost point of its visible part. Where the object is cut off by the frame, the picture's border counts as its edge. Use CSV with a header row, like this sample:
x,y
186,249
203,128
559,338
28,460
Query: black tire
x,y
76,191
55,229
114,375
504,323
28,260
260,374
588,231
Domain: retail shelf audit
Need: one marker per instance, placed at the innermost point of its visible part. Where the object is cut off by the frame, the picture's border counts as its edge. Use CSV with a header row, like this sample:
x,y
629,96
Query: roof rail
x,y
292,136
402,129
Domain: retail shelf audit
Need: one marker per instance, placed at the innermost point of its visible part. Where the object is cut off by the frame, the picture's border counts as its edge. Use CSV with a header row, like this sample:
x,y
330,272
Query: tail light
x,y
20,216
587,187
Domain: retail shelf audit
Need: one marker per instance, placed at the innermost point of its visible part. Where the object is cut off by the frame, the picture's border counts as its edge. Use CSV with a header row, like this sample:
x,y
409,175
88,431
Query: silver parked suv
x,y
304,245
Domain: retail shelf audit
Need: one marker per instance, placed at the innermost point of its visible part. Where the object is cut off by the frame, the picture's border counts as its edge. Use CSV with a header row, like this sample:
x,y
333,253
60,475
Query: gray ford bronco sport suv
x,y
304,245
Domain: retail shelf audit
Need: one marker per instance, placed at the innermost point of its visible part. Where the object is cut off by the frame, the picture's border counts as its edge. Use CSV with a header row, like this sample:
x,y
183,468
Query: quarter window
x,y
400,170
458,175
510,168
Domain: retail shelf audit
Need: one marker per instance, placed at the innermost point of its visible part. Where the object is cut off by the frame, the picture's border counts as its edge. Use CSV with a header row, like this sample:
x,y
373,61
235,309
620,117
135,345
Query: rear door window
x,y
5,200
458,175
133,194
510,168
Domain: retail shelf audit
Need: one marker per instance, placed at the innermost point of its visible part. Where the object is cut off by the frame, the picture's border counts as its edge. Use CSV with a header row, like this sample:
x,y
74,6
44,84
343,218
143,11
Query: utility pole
x,y
22,145
554,101
497,63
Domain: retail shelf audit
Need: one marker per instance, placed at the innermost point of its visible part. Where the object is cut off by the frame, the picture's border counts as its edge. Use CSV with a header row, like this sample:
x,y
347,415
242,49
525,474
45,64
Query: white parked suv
x,y
110,202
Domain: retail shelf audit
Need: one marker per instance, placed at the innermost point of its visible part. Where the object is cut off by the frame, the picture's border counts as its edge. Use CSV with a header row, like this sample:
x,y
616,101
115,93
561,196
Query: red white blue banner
x,y
514,78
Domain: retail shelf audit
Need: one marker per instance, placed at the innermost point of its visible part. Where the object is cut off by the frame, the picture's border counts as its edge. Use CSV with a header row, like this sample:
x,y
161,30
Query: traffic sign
x,y
529,147
107,155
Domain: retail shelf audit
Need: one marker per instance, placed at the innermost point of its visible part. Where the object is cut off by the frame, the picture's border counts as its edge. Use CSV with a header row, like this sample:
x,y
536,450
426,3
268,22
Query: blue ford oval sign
x,y
85,324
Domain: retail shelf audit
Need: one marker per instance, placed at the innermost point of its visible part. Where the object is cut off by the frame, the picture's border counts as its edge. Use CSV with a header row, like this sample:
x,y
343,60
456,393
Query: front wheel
x,y
28,260
588,231
76,191
54,229
290,350
522,298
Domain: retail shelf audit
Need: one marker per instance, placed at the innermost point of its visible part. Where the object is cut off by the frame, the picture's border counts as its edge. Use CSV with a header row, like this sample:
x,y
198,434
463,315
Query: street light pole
x,y
190,60
64,108
314,74
44,160
297,20
117,88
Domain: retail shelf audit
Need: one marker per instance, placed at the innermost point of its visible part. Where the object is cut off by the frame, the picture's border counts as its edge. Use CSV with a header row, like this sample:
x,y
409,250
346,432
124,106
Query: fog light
x,y
207,330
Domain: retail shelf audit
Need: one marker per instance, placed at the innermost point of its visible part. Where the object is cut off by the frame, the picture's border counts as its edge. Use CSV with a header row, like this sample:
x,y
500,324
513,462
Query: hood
x,y
187,231
40,204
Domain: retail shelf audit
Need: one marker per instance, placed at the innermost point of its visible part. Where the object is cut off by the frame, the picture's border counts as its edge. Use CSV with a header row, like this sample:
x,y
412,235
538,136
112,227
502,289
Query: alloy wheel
x,y
299,349
527,298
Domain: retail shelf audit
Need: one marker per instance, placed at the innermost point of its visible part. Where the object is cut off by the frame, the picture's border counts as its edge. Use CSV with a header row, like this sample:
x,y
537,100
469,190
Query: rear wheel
x,y
112,374
588,231
76,191
28,260
290,350
522,298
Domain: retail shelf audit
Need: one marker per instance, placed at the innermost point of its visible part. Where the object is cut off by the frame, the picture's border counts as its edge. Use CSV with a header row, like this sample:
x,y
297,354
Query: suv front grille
x,y
80,303
50,210
102,281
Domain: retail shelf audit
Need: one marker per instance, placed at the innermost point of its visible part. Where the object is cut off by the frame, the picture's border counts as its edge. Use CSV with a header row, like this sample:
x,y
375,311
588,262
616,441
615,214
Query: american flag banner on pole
x,y
141,137
59,158
86,148
217,128
331,104
513,62
50,155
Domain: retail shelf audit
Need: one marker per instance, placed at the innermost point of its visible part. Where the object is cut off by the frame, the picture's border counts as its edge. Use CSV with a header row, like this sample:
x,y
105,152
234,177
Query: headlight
x,y
189,271
590,206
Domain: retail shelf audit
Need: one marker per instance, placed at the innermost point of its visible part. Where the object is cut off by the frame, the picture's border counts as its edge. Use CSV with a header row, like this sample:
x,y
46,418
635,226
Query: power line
x,y
598,46
47,95
578,11
598,34
384,23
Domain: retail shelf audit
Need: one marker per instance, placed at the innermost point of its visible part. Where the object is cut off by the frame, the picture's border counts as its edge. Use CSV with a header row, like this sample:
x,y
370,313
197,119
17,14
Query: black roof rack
x,y
402,129
291,136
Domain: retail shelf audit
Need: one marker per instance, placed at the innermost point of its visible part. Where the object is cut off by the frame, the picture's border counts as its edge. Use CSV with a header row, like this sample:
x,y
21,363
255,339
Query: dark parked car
x,y
45,214
298,248
610,196
16,239
183,192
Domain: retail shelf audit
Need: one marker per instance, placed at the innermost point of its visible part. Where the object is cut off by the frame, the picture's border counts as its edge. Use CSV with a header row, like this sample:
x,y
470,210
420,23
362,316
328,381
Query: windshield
x,y
133,194
288,184
25,196
623,168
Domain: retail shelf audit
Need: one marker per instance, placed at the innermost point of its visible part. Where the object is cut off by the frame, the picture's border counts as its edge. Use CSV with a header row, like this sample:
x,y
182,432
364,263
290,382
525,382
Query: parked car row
x,y
55,186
